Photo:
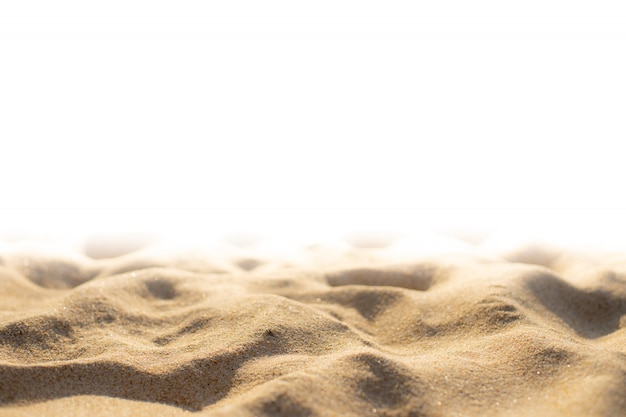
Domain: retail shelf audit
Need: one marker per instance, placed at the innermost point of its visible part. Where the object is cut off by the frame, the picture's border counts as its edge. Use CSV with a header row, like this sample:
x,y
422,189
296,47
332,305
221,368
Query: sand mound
x,y
338,329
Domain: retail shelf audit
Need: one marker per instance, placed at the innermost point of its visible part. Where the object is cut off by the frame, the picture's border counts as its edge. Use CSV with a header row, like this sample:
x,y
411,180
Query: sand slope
x,y
328,330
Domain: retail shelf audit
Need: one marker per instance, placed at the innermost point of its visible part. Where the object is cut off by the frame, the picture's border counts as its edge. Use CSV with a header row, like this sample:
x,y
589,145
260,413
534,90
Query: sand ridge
x,y
330,329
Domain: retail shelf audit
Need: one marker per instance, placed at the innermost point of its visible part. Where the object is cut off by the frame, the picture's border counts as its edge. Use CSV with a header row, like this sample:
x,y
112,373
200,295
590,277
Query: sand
x,y
339,328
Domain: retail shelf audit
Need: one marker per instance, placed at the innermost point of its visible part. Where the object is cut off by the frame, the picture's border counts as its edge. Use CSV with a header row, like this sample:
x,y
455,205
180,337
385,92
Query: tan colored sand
x,y
331,329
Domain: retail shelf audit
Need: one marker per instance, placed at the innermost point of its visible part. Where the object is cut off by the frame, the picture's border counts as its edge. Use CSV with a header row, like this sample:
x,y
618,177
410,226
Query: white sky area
x,y
313,117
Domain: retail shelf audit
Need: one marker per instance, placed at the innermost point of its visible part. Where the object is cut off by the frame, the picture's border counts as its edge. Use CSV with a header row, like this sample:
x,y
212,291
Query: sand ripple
x,y
247,334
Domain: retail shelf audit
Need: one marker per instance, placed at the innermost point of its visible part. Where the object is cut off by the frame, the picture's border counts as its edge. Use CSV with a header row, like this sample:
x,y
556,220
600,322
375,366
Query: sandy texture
x,y
335,329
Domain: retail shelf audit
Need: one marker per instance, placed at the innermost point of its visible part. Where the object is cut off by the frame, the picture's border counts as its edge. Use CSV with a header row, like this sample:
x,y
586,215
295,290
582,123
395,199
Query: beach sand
x,y
346,328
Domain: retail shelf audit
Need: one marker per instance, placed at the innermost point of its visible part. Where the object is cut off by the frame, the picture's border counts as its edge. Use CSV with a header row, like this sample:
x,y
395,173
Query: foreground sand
x,y
333,329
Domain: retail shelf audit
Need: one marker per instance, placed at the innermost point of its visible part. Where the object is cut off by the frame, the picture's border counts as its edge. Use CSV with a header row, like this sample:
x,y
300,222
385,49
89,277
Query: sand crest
x,y
331,329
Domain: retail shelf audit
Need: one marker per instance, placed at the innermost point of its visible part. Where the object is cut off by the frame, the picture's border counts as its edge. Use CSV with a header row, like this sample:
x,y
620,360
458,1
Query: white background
x,y
195,117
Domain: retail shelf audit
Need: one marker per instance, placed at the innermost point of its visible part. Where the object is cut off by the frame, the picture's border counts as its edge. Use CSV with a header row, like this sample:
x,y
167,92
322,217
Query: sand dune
x,y
330,329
